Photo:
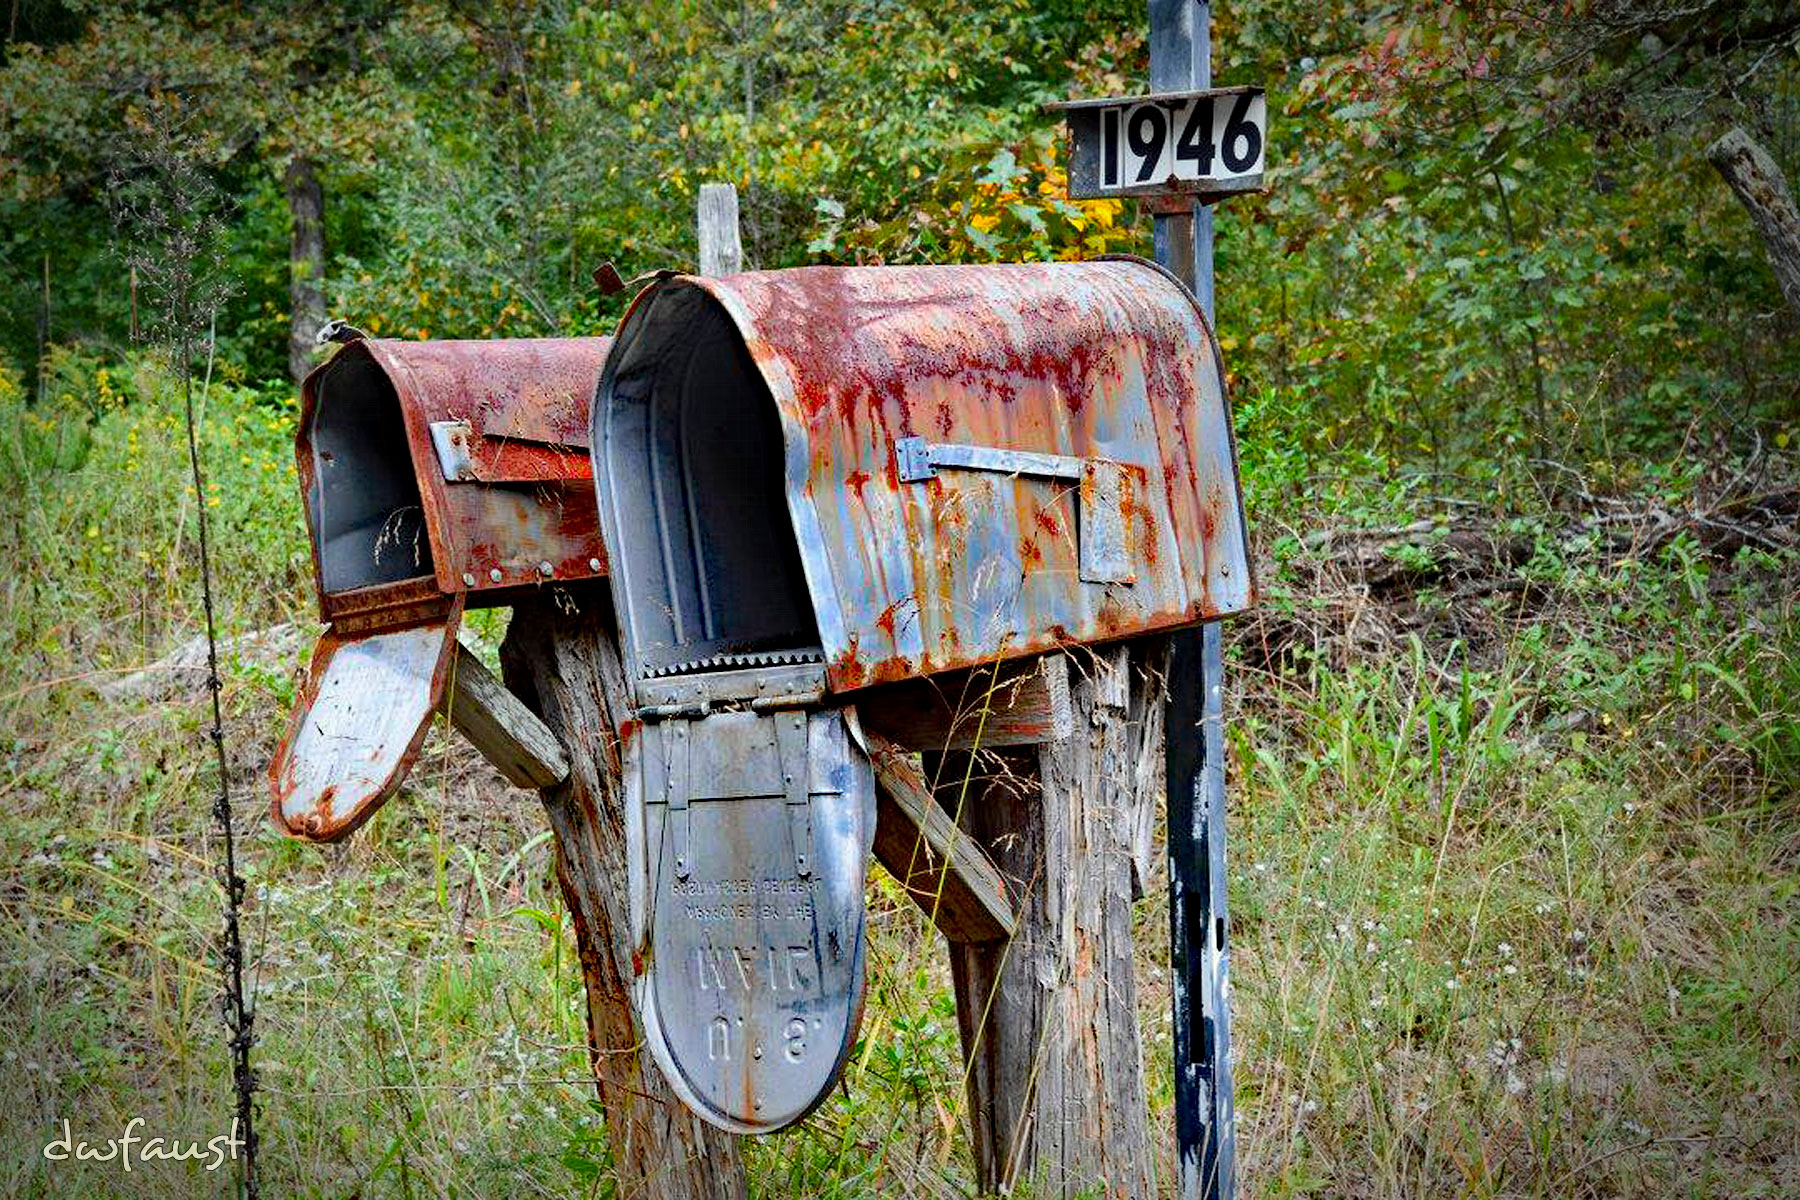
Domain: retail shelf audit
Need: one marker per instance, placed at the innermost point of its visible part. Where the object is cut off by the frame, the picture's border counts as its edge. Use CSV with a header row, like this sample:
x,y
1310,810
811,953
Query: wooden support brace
x,y
940,866
498,724
1018,703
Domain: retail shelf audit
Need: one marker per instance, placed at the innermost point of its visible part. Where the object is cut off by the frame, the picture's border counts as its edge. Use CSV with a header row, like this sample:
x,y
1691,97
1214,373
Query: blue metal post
x,y
1180,60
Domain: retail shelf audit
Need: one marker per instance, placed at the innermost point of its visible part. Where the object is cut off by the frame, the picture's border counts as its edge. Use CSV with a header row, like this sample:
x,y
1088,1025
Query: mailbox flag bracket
x,y
1105,493
1100,523
675,788
450,439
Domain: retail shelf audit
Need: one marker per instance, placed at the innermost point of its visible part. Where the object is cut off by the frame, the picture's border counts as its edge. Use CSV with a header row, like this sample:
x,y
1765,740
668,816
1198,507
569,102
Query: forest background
x,y
1515,729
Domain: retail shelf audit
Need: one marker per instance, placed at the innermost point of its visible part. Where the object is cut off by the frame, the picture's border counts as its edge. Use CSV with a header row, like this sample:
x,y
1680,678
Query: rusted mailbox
x,y
436,476
820,481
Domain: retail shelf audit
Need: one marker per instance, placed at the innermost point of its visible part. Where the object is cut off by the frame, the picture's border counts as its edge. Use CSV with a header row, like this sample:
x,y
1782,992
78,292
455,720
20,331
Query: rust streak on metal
x,y
1108,361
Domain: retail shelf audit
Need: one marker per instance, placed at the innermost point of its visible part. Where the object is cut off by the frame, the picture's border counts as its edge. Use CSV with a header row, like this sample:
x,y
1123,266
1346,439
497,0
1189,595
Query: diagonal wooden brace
x,y
498,724
942,868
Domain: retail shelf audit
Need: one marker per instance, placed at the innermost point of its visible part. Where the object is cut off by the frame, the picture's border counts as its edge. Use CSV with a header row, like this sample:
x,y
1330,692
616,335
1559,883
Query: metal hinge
x,y
675,790
793,746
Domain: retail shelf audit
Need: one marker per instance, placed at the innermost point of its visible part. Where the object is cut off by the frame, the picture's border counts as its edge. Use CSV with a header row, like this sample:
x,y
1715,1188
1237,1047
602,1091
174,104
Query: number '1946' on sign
x,y
1203,144
1197,137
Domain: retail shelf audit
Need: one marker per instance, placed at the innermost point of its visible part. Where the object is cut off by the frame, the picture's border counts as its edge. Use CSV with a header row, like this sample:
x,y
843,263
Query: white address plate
x,y
1200,144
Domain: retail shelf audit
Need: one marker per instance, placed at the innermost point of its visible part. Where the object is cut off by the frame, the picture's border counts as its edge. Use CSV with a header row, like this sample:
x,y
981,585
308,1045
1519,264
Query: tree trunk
x,y
306,264
1049,1020
566,668
1761,189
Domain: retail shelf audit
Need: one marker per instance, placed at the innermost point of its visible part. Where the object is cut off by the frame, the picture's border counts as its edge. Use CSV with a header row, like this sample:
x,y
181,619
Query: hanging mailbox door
x,y
358,724
749,838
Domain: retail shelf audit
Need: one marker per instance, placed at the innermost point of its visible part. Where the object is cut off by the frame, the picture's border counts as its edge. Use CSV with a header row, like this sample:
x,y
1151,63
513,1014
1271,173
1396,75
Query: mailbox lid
x,y
1109,364
515,413
361,716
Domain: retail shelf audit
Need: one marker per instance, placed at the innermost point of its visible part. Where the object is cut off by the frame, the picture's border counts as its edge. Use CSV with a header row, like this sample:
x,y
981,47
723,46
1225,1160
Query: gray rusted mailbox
x,y
436,476
820,481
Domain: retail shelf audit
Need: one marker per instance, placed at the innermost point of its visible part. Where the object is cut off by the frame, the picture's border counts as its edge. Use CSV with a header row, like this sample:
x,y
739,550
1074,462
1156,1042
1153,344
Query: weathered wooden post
x,y
566,663
1180,148
1049,1018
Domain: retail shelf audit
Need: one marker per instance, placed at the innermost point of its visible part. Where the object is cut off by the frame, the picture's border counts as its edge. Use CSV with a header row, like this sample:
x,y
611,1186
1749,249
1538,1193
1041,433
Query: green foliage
x,y
1445,273
1512,919
1015,210
99,519
1459,262
1755,690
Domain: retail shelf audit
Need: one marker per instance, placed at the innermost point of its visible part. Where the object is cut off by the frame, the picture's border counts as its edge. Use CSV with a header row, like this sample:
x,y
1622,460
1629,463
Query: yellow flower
x,y
984,221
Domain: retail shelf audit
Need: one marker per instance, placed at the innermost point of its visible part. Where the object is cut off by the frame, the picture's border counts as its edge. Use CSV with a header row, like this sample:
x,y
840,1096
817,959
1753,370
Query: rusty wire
x,y
167,212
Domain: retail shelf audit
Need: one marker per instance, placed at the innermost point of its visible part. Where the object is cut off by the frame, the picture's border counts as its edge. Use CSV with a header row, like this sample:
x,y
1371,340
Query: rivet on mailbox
x,y
426,468
819,481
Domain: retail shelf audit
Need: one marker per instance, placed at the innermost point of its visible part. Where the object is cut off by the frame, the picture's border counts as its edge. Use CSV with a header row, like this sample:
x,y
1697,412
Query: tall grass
x,y
1509,920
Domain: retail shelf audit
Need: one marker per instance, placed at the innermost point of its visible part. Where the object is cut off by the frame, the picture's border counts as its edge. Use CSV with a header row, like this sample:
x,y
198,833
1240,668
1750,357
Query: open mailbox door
x,y
824,480
436,476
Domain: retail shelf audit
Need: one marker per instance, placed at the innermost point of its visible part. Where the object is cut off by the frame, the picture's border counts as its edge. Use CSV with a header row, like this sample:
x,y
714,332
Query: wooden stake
x,y
1049,1020
498,724
566,668
941,867
721,251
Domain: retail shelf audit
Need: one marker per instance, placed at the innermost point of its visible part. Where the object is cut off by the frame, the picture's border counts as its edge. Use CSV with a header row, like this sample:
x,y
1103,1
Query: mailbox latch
x,y
918,459
1105,494
451,441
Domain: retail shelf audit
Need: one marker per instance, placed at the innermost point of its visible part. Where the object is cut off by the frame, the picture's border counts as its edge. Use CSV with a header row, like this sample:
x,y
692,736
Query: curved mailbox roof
x,y
1107,365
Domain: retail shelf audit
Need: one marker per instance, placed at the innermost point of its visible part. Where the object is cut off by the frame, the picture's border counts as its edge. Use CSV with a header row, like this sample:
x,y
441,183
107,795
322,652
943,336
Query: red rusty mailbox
x,y
819,481
436,476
